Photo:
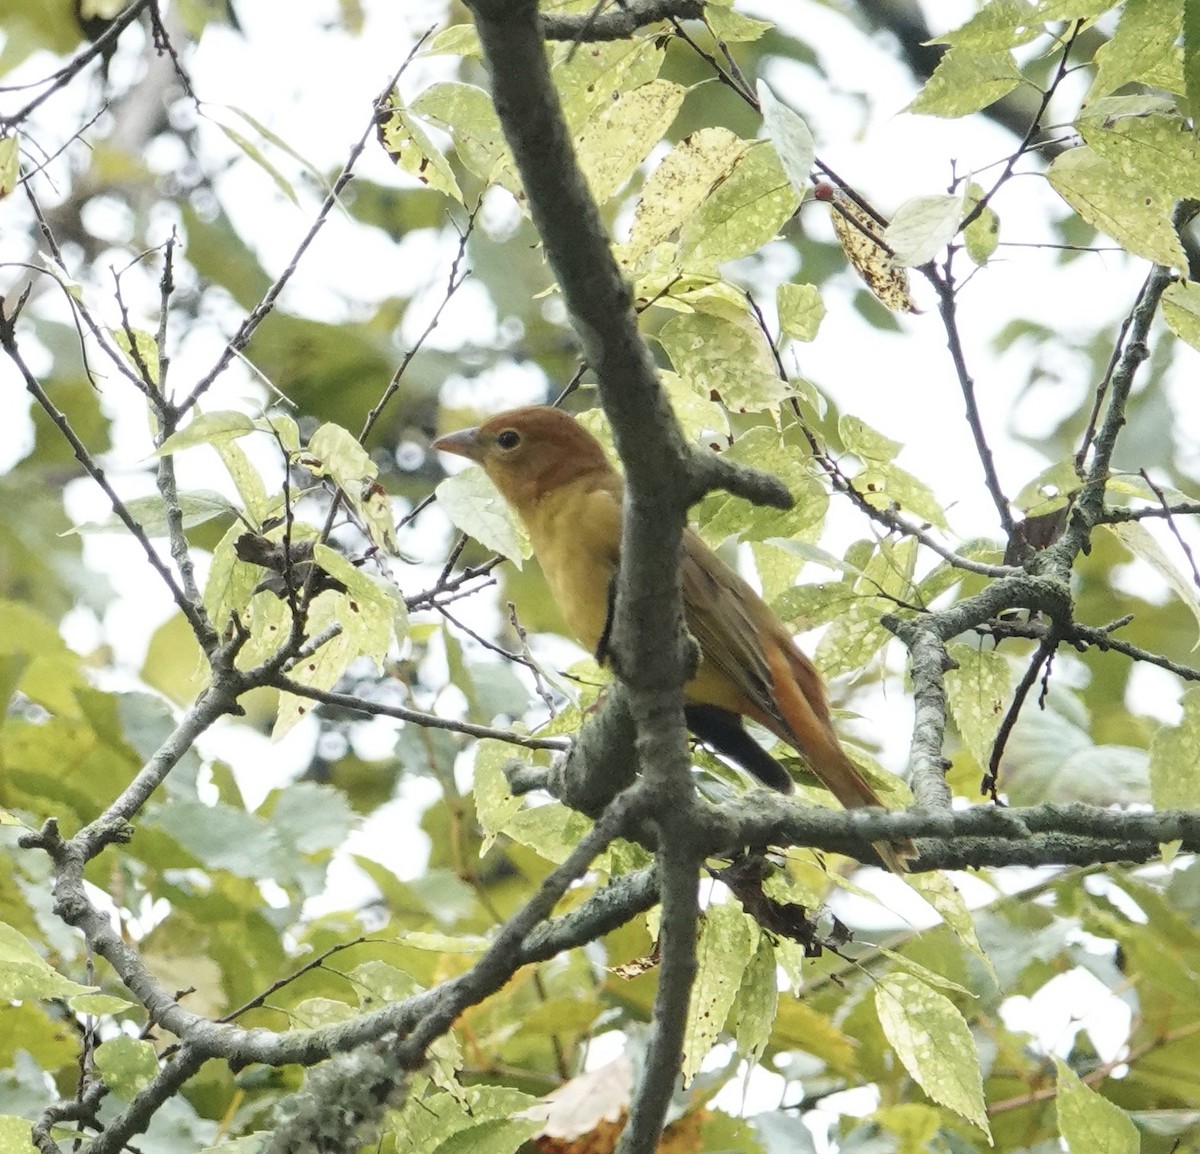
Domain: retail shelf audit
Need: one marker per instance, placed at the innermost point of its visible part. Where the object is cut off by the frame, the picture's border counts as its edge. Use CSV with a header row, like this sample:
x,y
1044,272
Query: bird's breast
x,y
576,536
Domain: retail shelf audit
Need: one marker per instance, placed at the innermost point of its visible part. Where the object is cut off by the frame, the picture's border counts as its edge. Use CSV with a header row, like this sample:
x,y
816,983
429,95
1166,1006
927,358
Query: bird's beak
x,y
464,443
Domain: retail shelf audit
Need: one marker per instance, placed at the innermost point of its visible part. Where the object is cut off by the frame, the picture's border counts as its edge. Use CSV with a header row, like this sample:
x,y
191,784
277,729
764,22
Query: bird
x,y
555,476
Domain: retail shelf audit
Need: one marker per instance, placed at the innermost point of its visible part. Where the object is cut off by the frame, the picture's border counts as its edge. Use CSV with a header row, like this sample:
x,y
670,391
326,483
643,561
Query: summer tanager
x,y
555,476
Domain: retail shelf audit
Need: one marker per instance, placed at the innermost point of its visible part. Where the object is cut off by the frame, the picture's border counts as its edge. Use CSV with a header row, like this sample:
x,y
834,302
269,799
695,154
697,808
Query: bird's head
x,y
527,452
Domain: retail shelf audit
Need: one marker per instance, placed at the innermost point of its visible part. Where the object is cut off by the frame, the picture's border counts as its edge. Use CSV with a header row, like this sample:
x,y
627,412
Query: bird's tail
x,y
808,729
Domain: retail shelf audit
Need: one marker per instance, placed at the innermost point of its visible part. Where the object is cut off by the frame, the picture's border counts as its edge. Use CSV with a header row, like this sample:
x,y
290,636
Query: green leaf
x,y
25,974
726,945
15,1135
940,892
729,358
207,429
150,513
855,635
757,999
142,350
679,185
744,211
621,133
1175,759
882,482
98,1005
552,831
966,81
1191,52
982,235
1181,311
127,1065
367,610
801,310
922,227
495,803
997,25
1143,49
224,838
733,27
408,144
978,691
475,507
444,943
1142,543
1146,145
1089,1123
933,1042
466,112
790,136
10,163
255,154
1132,212
335,452
722,515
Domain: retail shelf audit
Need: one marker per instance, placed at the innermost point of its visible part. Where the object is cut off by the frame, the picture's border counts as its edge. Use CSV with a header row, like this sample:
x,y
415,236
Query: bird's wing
x,y
723,614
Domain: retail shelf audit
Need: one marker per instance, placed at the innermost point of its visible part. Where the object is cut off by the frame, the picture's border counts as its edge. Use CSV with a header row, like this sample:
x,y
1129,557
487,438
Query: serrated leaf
x,y
405,140
722,515
998,24
733,27
863,441
1136,214
127,1065
801,310
1181,311
466,112
757,999
920,972
207,429
934,1044
790,136
223,837
552,831
940,892
1143,49
728,358
724,950
495,803
1175,759
24,973
1191,52
677,187
861,238
1151,149
621,133
335,452
744,211
1142,543
922,227
476,508
978,691
98,1004
1089,1123
150,513
966,81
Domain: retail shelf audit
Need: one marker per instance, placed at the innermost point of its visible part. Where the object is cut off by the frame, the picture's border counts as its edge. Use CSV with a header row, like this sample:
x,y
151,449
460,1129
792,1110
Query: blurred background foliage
x,y
362,841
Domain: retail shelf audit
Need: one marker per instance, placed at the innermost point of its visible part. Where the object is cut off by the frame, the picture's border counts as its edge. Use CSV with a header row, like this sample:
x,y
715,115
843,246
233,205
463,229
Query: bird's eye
x,y
509,439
